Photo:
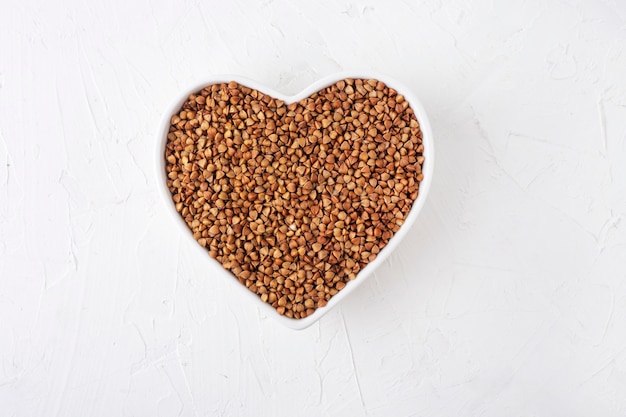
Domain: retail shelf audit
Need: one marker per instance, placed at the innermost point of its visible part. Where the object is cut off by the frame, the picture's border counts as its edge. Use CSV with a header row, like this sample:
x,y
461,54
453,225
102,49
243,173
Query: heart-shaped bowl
x,y
247,295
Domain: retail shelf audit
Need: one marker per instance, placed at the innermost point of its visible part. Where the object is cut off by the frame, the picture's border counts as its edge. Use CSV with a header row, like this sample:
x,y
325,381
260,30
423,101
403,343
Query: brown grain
x,y
295,199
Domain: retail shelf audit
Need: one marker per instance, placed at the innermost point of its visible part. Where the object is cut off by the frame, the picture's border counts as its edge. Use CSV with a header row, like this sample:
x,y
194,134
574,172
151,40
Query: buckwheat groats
x,y
294,199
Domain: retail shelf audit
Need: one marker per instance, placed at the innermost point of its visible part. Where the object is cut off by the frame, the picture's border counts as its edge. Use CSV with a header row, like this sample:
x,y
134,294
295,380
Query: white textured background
x,y
507,299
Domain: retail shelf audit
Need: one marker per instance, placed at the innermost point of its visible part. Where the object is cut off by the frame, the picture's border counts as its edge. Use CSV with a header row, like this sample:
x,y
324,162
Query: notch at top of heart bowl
x,y
299,198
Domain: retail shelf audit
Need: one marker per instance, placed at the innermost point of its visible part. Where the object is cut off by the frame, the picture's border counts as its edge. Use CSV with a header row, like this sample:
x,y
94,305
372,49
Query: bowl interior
x,y
427,170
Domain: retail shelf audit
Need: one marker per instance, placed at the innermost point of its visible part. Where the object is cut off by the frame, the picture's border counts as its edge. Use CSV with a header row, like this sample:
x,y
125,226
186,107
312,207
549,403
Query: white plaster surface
x,y
508,297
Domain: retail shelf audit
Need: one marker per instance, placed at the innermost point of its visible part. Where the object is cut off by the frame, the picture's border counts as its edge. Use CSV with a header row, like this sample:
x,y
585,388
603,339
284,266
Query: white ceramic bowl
x,y
247,295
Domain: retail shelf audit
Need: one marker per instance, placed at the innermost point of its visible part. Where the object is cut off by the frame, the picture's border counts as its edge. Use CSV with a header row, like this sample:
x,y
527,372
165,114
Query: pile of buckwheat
x,y
295,199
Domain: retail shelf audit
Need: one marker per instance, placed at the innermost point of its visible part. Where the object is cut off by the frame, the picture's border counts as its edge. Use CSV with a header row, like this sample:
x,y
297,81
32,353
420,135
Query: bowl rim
x,y
418,204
